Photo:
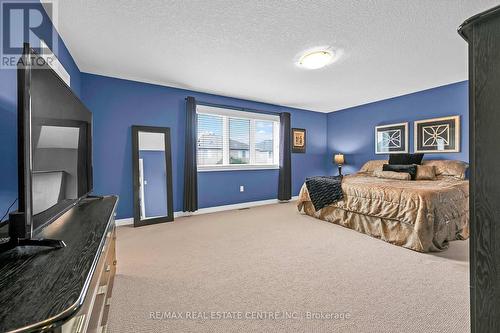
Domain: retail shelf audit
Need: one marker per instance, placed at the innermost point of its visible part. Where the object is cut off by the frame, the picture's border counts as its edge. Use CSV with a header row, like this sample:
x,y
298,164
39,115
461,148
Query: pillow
x,y
426,172
449,168
411,169
373,165
405,159
392,175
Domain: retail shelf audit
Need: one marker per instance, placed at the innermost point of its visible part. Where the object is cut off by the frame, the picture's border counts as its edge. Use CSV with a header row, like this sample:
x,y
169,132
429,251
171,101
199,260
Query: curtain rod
x,y
234,107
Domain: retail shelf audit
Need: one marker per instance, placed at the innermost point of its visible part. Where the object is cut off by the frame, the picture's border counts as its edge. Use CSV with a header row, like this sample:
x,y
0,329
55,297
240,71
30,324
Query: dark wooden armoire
x,y
482,32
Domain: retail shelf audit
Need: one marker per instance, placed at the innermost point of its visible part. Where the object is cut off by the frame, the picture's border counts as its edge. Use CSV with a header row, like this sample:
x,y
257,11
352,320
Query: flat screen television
x,y
54,147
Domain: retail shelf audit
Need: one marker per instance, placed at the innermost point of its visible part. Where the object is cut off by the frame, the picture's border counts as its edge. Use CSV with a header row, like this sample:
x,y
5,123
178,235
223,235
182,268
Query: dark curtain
x,y
285,177
190,167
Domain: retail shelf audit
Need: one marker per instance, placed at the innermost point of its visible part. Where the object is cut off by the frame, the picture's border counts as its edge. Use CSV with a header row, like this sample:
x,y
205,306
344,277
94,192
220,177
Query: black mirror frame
x,y
135,165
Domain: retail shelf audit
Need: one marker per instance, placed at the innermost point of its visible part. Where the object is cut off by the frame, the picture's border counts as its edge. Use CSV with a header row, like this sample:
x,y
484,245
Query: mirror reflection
x,y
152,175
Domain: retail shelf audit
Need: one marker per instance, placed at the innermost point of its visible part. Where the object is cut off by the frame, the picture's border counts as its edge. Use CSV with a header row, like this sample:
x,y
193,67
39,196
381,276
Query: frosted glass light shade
x,y
316,60
339,159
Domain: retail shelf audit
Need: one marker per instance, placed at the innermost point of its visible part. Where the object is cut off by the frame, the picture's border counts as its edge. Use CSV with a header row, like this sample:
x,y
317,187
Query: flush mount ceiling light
x,y
316,59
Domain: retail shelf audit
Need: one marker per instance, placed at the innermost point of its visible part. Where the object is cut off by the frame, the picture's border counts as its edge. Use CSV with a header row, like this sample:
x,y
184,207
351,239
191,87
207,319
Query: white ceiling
x,y
247,48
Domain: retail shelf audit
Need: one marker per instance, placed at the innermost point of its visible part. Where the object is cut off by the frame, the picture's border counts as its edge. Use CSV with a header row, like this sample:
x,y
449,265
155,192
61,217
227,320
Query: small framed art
x,y
298,140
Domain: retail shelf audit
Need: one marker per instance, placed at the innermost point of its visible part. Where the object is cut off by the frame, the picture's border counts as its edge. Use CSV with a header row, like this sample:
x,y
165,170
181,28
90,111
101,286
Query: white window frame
x,y
253,117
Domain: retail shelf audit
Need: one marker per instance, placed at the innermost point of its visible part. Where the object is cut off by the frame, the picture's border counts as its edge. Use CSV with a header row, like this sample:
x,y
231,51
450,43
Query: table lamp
x,y
339,160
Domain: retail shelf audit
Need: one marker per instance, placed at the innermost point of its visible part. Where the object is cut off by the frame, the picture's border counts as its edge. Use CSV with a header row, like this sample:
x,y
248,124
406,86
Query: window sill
x,y
237,168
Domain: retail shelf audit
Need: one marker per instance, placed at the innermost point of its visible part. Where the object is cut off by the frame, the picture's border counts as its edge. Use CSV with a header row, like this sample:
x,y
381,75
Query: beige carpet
x,y
271,269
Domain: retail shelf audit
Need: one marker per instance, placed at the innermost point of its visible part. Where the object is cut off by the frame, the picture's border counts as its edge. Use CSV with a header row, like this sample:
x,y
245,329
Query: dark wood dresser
x,y
64,290
482,32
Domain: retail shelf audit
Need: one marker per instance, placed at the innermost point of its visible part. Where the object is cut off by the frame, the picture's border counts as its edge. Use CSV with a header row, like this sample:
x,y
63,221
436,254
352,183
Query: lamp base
x,y
340,170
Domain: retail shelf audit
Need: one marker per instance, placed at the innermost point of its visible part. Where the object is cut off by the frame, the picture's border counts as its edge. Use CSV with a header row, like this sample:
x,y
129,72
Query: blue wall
x,y
351,131
118,104
155,187
8,116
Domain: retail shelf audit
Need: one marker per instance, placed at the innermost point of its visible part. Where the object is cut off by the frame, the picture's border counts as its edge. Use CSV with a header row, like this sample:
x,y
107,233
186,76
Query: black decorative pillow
x,y
411,169
405,159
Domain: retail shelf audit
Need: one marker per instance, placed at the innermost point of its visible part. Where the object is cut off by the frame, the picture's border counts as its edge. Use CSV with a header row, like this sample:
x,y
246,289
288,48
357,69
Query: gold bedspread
x,y
420,215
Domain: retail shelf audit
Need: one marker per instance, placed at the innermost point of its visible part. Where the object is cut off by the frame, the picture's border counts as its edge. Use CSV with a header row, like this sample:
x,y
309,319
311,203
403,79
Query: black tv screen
x,y
60,136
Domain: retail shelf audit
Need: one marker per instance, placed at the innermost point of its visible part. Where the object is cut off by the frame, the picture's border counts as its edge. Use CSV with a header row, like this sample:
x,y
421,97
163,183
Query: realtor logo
x,y
31,21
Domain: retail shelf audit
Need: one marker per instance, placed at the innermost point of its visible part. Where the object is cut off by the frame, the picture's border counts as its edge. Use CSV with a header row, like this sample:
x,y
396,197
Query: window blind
x,y
210,145
239,141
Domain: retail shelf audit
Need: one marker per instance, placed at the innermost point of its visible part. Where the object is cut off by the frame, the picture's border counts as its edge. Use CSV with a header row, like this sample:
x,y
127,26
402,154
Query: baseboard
x,y
215,209
208,210
126,221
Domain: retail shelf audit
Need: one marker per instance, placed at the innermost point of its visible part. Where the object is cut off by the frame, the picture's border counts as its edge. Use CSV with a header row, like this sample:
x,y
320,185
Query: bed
x,y
422,215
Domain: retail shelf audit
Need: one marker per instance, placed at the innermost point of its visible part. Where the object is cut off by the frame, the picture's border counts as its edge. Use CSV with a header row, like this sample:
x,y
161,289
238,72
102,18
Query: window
x,y
233,140
210,146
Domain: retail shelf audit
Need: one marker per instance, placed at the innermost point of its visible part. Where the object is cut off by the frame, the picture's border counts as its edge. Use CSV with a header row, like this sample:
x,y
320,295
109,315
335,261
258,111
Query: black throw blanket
x,y
324,190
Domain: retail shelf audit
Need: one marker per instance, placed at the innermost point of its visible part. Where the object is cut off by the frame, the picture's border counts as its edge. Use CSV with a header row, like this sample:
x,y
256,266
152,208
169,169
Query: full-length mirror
x,y
152,163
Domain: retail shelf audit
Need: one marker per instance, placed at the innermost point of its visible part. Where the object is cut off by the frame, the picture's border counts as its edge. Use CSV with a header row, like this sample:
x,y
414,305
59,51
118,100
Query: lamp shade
x,y
339,159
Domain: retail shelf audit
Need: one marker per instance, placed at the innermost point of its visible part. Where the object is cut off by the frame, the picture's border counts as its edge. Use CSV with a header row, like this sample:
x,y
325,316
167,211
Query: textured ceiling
x,y
247,48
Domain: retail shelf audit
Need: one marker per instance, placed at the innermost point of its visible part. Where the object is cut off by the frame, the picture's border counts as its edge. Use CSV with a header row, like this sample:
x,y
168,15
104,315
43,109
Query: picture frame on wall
x,y
437,135
298,140
391,139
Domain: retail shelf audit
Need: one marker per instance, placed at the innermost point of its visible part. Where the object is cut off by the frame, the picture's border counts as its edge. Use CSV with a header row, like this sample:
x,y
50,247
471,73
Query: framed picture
x,y
391,139
438,135
298,140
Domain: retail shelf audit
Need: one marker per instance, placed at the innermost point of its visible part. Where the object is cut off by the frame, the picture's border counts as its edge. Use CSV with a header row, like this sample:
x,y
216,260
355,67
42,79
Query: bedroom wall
x,y
118,104
352,131
8,112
